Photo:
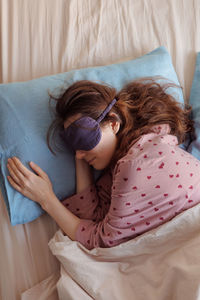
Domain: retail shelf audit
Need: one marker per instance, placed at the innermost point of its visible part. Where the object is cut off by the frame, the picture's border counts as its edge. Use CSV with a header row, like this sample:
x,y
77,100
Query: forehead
x,y
71,119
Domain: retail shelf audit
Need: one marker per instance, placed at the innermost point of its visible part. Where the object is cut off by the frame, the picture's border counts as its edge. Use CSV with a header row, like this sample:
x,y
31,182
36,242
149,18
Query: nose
x,y
80,154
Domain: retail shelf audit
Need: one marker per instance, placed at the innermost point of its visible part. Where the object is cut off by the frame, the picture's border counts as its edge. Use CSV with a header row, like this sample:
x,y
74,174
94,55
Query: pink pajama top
x,y
151,184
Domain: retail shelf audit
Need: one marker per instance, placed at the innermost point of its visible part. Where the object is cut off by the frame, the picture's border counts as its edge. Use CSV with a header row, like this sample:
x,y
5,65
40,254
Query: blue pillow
x,y
194,101
25,118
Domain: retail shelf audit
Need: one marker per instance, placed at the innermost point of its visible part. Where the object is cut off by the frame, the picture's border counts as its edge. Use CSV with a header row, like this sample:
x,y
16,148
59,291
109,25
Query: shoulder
x,y
147,153
126,167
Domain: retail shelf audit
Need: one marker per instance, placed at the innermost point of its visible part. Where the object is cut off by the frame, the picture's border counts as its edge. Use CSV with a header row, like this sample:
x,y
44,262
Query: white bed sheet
x,y
43,37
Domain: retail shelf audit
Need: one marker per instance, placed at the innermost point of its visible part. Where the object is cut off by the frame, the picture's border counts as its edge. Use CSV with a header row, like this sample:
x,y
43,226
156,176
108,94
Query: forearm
x,y
84,176
65,219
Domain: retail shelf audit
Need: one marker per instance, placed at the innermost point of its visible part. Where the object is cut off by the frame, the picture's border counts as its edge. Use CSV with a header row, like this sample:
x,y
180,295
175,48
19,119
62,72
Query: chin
x,y
99,167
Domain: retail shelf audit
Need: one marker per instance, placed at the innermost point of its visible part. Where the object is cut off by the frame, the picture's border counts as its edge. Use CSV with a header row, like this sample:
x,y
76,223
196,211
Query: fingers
x,y
38,170
14,184
17,177
21,177
19,174
14,171
18,168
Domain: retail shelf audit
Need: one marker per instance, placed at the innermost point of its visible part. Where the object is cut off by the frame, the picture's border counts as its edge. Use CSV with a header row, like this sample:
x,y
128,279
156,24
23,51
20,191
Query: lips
x,y
91,160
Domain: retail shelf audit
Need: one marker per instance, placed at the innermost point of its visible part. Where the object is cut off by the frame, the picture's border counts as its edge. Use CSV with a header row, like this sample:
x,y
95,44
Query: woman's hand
x,y
35,187
39,189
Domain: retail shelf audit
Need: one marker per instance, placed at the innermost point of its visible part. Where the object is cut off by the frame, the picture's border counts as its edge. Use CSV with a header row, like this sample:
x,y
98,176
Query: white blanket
x,y
163,263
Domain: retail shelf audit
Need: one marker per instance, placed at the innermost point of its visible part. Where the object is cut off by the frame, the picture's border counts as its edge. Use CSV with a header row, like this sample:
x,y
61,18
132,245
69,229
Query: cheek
x,y
108,139
106,147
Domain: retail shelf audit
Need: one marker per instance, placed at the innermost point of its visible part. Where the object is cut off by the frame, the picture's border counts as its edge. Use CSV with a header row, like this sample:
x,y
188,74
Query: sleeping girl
x,y
133,137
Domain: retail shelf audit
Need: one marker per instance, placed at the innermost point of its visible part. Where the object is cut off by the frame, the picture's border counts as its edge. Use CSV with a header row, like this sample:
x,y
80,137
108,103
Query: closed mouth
x,y
90,161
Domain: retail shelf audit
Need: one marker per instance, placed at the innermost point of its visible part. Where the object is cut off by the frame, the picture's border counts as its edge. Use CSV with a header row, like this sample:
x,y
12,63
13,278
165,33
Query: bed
x,y
40,38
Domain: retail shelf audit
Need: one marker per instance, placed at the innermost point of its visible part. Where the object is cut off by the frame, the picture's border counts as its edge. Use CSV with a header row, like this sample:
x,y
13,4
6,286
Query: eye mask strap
x,y
104,113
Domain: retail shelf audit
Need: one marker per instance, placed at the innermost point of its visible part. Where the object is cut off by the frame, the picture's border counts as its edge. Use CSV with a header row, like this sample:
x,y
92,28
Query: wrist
x,y
48,203
84,176
65,219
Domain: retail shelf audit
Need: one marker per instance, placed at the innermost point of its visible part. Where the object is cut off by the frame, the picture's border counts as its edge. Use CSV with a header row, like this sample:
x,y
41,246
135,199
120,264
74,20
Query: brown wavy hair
x,y
140,105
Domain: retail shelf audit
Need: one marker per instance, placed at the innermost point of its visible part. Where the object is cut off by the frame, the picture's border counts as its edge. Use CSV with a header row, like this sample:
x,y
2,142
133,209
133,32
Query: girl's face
x,y
100,156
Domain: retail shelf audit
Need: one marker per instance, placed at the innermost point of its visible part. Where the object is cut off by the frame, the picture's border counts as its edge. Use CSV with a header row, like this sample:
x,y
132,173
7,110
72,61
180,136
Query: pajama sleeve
x,y
92,203
111,230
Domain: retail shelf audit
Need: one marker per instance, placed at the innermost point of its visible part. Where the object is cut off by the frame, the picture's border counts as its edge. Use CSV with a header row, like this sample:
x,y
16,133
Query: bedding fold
x,y
160,264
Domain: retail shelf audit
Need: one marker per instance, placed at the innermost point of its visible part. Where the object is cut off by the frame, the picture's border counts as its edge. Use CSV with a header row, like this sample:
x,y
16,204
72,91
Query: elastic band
x,y
104,113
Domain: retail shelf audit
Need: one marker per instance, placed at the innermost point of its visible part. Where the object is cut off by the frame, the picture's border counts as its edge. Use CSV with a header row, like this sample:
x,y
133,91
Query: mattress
x,y
46,37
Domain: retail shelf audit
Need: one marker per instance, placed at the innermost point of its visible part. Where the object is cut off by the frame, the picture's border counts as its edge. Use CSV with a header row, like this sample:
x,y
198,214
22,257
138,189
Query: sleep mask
x,y
85,133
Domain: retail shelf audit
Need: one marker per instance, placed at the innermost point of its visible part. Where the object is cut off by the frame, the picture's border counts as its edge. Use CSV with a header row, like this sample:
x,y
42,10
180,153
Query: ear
x,y
115,124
